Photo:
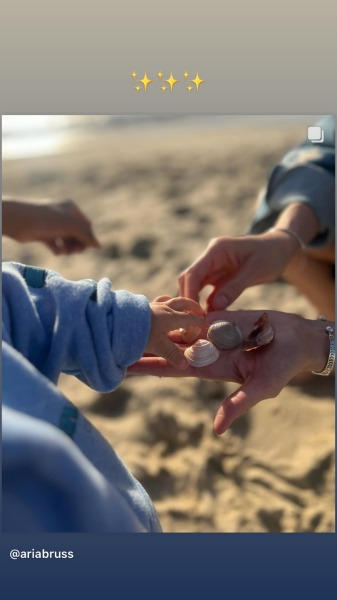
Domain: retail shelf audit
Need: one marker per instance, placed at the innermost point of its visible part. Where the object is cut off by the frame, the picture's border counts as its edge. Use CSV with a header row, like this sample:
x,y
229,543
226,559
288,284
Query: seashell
x,y
202,353
225,335
261,335
190,334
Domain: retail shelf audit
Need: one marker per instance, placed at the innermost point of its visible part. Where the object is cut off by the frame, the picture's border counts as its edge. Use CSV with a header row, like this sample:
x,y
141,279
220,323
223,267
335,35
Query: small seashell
x,y
261,335
190,334
225,335
202,353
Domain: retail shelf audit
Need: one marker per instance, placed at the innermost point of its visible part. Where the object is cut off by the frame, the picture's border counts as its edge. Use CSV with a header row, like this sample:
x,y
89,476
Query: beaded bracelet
x,y
332,351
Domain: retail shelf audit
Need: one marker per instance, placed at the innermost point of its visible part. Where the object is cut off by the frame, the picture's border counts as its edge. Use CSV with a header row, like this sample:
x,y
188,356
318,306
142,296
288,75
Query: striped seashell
x,y
225,335
202,353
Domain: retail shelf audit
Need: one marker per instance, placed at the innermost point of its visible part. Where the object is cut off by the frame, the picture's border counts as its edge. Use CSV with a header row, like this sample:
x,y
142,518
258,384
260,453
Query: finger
x,y
65,246
172,353
71,246
176,320
189,285
73,209
85,236
225,293
53,247
70,208
92,240
191,280
185,305
156,366
162,298
236,405
82,227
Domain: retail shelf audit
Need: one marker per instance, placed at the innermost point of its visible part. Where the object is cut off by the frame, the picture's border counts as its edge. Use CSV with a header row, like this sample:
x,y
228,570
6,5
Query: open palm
x,y
261,373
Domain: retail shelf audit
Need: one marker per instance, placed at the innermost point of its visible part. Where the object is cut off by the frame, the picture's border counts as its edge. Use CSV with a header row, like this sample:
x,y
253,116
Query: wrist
x,y
294,236
21,219
329,366
287,245
316,344
13,219
300,220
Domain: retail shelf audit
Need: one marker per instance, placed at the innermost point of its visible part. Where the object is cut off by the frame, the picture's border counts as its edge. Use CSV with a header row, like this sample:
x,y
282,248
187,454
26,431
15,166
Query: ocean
x,y
25,136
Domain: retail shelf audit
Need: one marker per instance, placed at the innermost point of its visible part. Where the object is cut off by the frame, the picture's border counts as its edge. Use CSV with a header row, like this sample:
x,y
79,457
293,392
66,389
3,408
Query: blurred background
x,y
157,189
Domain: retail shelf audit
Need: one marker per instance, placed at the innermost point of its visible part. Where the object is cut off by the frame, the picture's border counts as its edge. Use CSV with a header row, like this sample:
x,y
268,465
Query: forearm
x,y
300,219
19,217
78,327
306,175
294,229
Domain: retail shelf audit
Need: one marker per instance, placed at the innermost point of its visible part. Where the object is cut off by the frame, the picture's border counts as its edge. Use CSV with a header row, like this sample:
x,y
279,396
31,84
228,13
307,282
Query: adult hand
x,y
61,226
233,264
299,345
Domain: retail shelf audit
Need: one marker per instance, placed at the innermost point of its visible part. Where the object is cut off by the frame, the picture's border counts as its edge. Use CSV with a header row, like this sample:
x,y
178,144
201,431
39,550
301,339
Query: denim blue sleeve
x,y
306,174
79,327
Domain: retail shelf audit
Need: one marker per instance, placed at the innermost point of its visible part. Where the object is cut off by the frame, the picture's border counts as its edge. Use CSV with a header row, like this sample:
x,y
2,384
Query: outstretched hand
x,y
298,345
231,265
60,225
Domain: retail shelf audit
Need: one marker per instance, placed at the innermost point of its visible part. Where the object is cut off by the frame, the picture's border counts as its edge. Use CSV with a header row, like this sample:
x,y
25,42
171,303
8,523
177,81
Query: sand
x,y
156,197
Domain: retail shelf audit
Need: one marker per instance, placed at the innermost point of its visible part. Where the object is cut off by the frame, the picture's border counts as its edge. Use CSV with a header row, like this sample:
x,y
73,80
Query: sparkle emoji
x,y
197,81
171,81
145,81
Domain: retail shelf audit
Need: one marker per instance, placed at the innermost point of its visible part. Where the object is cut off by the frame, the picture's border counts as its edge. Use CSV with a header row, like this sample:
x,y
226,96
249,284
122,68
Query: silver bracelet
x,y
332,351
292,233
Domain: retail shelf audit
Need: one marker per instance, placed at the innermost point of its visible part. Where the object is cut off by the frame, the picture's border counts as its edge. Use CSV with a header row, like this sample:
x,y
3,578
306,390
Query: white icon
x,y
316,134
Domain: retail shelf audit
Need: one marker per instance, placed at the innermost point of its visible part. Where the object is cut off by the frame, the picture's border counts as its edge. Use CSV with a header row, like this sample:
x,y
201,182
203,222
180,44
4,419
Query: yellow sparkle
x,y
189,87
164,87
197,81
145,81
185,74
134,74
137,87
171,81
160,74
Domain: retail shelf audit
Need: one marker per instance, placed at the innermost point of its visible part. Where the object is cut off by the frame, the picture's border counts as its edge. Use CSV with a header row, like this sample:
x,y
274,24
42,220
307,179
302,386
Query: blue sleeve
x,y
59,472
79,327
63,492
306,174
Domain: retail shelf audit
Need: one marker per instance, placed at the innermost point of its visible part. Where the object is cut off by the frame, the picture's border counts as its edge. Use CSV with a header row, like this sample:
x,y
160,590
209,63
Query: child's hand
x,y
60,225
170,315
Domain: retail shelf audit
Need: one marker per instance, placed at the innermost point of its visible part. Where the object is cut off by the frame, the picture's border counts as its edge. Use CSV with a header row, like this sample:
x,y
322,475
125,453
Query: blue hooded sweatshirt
x,y
59,473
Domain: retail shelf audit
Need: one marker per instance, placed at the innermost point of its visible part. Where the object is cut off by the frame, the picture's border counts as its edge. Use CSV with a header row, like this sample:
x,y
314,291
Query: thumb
x,y
226,293
236,405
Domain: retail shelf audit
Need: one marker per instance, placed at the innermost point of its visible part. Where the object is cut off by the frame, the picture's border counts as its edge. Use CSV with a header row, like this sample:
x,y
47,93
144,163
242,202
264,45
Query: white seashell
x,y
190,334
225,335
202,353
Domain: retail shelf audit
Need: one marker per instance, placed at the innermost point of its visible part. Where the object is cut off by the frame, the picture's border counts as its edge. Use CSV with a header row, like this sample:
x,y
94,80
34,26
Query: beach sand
x,y
156,197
